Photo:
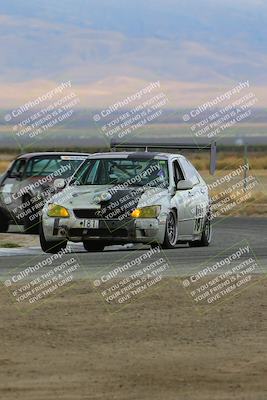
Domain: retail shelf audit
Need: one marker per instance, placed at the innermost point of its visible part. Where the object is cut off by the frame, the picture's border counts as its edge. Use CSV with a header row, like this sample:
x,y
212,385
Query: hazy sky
x,y
109,48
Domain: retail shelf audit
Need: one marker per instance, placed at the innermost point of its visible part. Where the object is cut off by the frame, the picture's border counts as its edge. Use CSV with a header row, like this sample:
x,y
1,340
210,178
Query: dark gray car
x,y
28,184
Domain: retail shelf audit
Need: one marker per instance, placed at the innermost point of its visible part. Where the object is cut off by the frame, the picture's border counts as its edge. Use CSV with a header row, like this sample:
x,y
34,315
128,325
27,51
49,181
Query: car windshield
x,y
129,171
60,166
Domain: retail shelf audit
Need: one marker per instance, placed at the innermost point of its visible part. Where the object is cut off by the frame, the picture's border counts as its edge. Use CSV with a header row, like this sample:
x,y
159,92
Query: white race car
x,y
129,197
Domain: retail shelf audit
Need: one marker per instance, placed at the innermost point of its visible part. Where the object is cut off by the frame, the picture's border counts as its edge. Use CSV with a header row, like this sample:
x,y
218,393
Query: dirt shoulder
x,y
18,240
158,348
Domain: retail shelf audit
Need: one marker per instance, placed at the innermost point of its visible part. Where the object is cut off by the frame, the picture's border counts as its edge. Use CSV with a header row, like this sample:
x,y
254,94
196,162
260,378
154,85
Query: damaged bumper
x,y
109,231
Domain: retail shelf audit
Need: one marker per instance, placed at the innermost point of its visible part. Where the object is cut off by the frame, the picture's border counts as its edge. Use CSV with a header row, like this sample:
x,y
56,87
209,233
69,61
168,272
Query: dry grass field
x,y
225,160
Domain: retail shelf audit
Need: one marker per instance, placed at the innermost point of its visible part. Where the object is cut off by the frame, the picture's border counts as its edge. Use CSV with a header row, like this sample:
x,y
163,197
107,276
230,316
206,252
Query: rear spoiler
x,y
208,147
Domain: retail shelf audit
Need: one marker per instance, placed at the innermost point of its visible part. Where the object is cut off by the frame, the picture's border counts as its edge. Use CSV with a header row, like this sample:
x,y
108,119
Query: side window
x,y
178,174
42,166
90,175
196,172
17,168
190,171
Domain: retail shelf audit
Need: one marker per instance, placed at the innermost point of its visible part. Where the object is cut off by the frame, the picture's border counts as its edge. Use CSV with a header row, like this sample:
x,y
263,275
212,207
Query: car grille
x,y
98,214
86,213
98,232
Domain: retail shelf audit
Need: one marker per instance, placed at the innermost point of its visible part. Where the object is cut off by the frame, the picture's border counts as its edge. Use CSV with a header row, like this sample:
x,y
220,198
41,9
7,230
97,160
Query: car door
x,y
182,200
198,197
11,185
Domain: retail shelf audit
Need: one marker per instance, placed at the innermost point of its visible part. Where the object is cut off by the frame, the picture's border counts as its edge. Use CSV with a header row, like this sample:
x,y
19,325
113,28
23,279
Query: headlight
x,y
57,211
146,212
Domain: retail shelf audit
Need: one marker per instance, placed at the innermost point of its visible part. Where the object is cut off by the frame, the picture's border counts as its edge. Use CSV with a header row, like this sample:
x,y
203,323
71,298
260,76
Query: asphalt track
x,y
228,232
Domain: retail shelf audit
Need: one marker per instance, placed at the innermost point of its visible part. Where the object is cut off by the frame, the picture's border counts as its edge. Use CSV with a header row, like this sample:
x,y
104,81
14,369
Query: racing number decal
x,y
199,222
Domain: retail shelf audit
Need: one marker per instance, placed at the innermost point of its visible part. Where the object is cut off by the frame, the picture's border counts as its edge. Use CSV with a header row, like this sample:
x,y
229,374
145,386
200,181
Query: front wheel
x,y
206,236
171,231
50,246
91,245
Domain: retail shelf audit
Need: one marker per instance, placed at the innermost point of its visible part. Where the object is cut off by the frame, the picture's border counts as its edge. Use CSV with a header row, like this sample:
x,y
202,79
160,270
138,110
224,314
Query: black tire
x,y
49,246
171,232
31,225
4,223
91,245
155,245
206,236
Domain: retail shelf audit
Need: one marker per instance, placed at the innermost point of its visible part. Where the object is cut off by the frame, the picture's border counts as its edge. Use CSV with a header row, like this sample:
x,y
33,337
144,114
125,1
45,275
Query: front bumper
x,y
110,231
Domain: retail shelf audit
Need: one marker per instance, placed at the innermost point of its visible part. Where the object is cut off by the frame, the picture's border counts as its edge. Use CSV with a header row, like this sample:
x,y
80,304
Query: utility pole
x,y
247,164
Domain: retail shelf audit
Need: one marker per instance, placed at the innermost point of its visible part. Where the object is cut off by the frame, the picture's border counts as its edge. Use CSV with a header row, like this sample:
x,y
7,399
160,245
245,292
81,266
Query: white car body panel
x,y
192,207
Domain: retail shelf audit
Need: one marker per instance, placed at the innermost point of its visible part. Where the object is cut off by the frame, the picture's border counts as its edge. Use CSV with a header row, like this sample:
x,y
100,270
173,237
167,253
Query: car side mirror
x,y
14,175
185,185
59,184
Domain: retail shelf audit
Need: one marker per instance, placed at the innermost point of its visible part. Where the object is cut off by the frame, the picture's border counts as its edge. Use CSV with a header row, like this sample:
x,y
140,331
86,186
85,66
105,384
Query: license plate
x,y
91,223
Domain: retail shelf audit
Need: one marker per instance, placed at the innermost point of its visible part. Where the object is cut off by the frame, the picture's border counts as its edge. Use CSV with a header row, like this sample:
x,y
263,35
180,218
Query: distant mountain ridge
x,y
193,42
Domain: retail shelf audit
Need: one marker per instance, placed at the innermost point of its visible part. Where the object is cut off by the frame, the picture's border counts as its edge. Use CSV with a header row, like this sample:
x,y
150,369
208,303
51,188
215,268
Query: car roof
x,y
116,154
51,153
132,154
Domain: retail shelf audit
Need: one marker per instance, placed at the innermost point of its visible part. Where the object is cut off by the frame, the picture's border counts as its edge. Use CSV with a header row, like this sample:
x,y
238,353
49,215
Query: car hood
x,y
96,197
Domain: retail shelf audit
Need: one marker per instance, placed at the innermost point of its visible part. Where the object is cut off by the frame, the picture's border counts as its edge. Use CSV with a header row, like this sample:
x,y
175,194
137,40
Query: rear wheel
x,y
50,246
91,245
4,223
171,231
206,236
